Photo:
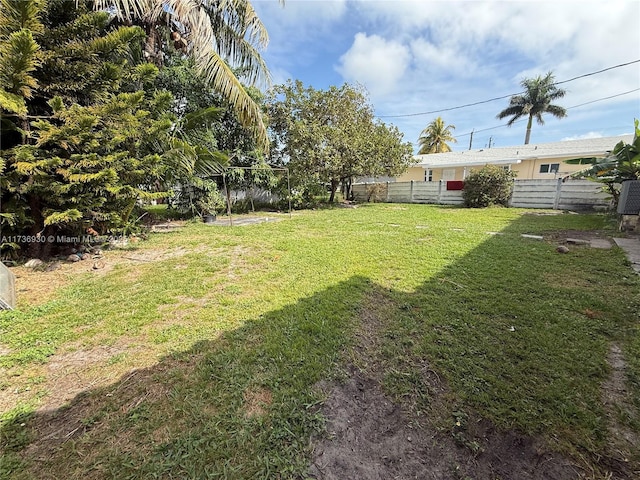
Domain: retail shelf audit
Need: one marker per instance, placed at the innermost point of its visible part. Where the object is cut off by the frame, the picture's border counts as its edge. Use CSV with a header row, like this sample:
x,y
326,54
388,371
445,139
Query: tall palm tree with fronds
x,y
536,100
216,33
434,138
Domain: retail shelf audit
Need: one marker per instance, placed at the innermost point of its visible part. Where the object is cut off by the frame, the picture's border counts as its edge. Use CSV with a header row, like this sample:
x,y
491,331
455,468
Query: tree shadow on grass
x,y
508,338
240,406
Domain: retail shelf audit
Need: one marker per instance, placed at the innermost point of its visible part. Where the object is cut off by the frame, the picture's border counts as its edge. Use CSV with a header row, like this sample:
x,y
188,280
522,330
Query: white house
x,y
533,161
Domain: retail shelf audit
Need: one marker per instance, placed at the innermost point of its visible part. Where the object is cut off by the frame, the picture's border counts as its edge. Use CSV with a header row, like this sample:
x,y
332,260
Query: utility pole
x,y
471,139
490,139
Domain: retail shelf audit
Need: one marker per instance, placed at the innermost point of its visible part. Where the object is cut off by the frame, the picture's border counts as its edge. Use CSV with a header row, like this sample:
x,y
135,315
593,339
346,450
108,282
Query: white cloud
x,y
584,136
374,62
419,56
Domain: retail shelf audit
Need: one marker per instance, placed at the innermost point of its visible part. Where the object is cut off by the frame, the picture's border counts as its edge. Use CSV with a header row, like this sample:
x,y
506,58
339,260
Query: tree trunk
x,y
346,187
334,187
35,249
528,135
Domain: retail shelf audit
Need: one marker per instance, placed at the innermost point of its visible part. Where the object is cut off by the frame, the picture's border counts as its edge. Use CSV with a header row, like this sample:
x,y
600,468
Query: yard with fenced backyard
x,y
383,341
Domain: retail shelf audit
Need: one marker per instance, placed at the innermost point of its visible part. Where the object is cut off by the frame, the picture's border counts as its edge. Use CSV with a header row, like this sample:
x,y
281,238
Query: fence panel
x,y
552,194
399,192
534,193
583,195
426,192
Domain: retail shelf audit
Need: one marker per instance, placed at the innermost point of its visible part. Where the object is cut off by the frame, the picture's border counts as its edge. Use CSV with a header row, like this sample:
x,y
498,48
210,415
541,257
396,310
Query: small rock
x,y
562,249
73,258
98,265
85,256
33,263
52,266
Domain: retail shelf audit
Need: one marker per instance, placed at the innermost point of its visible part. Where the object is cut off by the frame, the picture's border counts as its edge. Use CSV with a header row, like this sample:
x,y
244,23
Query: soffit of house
x,y
592,147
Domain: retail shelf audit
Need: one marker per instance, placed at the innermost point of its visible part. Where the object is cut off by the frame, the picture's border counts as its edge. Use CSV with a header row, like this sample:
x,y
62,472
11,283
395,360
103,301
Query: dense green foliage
x,y
491,185
328,137
90,128
223,39
89,145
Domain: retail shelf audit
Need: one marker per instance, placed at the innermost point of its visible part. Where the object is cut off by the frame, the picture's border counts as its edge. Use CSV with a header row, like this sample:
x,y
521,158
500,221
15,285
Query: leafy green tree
x,y
434,138
623,163
491,185
535,101
212,33
330,136
216,128
93,127
82,59
88,167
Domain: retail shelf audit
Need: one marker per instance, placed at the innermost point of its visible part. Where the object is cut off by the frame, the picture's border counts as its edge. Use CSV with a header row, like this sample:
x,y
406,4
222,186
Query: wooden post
x,y
556,200
439,192
411,192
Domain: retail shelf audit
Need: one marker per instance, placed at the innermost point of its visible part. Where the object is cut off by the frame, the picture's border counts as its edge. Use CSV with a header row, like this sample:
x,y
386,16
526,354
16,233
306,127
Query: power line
x,y
604,98
505,96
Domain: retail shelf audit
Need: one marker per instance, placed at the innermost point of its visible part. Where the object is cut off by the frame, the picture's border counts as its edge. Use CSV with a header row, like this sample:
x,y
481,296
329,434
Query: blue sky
x,y
421,56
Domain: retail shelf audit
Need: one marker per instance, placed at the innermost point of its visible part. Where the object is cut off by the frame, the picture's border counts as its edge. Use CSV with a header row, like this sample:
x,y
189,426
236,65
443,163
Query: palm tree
x,y
536,99
434,138
213,33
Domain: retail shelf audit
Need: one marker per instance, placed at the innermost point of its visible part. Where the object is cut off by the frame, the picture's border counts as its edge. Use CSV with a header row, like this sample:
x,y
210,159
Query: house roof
x,y
590,147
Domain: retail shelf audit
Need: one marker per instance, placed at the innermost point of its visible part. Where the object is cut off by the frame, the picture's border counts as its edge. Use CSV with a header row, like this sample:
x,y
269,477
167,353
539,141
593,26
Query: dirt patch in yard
x,y
624,453
370,436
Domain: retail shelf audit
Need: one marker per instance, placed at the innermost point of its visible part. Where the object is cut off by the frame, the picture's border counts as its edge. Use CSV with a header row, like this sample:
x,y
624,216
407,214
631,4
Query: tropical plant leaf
x,y
12,103
66,216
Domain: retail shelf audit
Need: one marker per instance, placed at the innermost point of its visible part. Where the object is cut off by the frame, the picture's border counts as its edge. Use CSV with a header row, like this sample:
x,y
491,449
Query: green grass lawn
x,y
201,361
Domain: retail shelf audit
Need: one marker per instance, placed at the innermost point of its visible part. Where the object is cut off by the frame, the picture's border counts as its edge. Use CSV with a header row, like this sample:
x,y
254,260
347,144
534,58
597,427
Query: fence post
x,y
388,193
411,192
556,201
439,192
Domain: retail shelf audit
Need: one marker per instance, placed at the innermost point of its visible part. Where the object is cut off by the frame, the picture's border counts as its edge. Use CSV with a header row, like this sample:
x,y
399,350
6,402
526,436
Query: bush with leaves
x,y
491,185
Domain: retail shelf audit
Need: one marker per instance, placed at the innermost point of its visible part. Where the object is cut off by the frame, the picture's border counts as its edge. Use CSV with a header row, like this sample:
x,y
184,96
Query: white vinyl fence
x,y
553,194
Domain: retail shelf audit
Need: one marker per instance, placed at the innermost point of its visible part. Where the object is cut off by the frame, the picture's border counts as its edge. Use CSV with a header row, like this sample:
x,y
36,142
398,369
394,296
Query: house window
x,y
448,174
507,168
428,175
549,168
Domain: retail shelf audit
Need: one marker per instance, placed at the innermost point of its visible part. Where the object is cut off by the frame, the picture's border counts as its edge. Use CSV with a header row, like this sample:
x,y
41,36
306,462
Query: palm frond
x,y
126,9
220,76
246,58
216,31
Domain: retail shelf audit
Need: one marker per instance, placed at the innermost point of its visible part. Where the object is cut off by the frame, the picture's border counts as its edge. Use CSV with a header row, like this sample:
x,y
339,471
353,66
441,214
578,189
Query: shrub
x,y
491,185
